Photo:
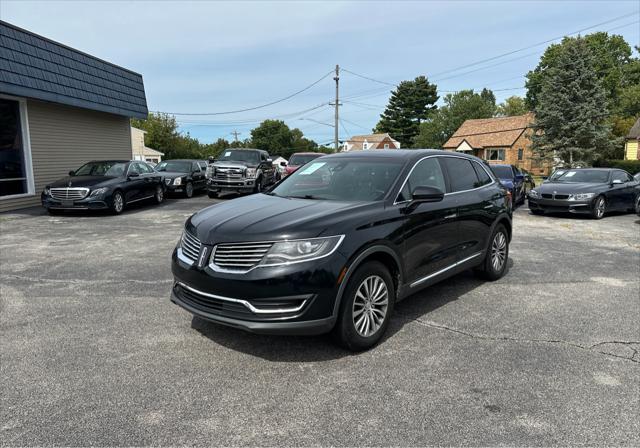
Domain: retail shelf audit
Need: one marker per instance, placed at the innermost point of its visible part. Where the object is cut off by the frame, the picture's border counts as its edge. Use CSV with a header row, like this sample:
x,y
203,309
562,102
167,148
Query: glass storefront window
x,y
13,170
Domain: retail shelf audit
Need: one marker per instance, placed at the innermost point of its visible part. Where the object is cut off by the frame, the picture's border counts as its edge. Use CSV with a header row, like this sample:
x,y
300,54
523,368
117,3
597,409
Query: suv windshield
x,y
501,171
343,179
240,156
588,176
180,167
301,159
108,168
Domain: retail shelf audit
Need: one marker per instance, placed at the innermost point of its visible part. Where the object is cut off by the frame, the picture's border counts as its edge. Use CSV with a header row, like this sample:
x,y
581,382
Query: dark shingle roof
x,y
36,67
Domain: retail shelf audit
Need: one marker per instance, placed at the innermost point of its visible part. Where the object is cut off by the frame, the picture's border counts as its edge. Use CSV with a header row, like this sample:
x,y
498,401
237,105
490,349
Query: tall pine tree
x,y
410,104
570,117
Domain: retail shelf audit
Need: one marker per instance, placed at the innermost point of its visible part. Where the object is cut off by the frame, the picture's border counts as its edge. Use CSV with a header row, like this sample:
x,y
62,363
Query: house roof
x,y
490,132
36,67
151,151
371,138
635,130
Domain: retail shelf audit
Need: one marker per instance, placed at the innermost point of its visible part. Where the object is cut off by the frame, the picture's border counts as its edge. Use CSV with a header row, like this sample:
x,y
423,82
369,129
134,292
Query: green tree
x,y
411,103
457,108
512,106
276,137
571,114
611,63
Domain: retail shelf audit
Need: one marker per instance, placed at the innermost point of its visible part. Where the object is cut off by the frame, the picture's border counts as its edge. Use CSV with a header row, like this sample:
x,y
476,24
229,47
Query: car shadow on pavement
x,y
322,348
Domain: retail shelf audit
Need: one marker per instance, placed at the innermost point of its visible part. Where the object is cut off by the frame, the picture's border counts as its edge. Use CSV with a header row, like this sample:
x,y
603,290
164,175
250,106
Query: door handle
x,y
454,215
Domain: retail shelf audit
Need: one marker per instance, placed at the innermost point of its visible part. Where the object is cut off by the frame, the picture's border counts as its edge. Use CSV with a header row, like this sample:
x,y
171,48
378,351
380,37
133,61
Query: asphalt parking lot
x,y
94,353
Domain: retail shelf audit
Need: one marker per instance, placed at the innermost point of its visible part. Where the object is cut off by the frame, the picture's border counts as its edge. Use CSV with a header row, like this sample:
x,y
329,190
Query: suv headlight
x,y
177,181
251,172
534,194
98,191
581,196
46,191
297,251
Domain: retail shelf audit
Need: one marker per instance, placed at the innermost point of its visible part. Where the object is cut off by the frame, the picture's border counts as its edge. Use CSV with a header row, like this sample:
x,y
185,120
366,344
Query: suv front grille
x,y
240,256
190,246
72,193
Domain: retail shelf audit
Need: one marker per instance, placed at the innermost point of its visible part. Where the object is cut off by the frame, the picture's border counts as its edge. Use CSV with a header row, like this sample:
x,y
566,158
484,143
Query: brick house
x,y
371,141
632,140
504,140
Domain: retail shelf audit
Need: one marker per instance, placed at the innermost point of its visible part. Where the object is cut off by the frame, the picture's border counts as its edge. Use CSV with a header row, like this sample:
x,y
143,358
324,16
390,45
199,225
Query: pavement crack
x,y
592,348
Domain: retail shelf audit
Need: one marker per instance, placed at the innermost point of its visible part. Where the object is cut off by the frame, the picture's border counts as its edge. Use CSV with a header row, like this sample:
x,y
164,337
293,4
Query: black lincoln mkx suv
x,y
333,246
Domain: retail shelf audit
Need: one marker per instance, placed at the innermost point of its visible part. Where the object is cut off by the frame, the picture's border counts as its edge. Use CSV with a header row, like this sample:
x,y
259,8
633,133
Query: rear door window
x,y
461,174
483,177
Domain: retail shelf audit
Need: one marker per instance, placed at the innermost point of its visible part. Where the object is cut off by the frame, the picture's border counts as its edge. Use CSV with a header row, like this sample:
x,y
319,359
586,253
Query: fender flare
x,y
357,261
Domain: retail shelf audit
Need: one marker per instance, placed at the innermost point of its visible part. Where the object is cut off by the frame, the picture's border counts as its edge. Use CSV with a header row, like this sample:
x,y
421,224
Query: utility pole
x,y
235,135
337,116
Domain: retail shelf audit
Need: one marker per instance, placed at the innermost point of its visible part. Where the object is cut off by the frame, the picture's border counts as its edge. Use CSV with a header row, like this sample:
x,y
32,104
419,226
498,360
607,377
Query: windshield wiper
x,y
306,196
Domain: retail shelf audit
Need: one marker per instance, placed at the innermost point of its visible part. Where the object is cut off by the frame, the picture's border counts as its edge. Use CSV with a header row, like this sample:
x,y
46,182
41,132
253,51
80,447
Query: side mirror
x,y
72,173
133,174
283,163
426,194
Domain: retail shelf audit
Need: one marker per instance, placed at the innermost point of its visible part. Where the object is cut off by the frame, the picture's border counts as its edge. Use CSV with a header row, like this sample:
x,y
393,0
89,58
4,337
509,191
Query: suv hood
x,y
568,188
261,217
81,181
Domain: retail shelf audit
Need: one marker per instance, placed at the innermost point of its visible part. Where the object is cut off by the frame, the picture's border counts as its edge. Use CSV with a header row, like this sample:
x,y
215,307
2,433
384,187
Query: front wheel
x,y
495,261
599,208
188,190
366,307
258,187
117,203
159,196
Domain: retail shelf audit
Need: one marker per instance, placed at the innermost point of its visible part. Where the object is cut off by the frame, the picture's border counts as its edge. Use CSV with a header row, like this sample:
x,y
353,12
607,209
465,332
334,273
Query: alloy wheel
x,y
498,251
189,190
600,207
370,305
118,203
159,194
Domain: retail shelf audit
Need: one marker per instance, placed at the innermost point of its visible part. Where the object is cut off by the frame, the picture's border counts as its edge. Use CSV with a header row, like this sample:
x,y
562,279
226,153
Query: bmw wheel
x,y
366,307
117,203
599,208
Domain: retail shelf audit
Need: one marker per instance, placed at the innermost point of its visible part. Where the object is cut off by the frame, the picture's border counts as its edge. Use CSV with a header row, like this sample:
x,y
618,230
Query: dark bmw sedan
x,y
105,184
592,191
333,246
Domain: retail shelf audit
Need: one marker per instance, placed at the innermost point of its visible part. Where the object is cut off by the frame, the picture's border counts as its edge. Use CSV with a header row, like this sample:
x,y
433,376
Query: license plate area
x,y
67,203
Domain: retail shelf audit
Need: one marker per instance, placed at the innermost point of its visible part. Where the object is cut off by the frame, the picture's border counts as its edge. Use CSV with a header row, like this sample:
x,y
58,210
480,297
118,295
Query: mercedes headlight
x,y
177,181
534,194
251,172
99,191
297,251
581,196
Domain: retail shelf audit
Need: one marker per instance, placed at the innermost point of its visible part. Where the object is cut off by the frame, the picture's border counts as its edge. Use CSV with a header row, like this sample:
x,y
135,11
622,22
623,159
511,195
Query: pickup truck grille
x,y
72,193
229,173
240,256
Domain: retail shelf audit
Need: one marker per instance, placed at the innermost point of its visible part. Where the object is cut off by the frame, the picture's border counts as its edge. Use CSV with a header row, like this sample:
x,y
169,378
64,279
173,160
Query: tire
x,y
356,332
159,196
495,261
117,203
188,190
212,195
599,208
258,186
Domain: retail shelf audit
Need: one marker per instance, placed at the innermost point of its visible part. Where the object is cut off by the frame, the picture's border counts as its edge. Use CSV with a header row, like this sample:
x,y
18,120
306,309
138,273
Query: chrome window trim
x,y
246,303
442,271
217,268
493,180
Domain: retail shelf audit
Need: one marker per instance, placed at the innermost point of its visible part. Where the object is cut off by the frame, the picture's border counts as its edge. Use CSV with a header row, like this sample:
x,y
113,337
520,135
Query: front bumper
x,y
295,299
560,206
89,203
239,185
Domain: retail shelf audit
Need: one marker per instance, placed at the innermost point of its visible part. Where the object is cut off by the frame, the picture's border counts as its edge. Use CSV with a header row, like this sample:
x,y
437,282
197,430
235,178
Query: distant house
x,y
59,108
371,141
140,151
631,151
498,140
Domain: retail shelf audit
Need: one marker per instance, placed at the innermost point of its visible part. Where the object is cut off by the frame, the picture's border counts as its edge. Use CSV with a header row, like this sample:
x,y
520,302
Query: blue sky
x,y
202,56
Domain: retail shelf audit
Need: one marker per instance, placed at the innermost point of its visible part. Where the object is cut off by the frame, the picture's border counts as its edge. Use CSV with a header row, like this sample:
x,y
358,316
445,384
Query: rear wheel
x,y
188,190
495,261
599,208
117,203
366,307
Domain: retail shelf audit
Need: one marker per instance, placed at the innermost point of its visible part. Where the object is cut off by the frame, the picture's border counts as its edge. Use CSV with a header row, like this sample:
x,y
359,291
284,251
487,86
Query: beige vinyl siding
x,y
631,150
63,138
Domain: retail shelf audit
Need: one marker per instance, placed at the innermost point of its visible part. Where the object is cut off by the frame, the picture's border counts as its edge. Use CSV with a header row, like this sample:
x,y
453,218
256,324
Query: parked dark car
x,y
105,184
183,176
513,180
298,159
593,191
334,245
240,171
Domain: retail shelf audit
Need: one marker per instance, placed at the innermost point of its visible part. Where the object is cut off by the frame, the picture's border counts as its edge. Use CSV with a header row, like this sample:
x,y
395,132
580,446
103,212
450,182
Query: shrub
x,y
631,166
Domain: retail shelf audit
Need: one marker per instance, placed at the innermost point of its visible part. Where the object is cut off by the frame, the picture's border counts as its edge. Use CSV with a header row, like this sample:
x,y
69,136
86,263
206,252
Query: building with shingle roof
x,y
632,139
59,108
370,141
501,140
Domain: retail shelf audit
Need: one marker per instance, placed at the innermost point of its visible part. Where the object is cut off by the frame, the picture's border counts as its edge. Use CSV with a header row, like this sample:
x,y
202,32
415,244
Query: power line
x,y
255,107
